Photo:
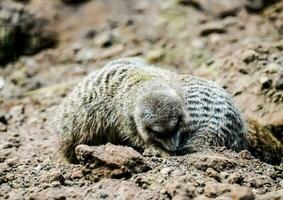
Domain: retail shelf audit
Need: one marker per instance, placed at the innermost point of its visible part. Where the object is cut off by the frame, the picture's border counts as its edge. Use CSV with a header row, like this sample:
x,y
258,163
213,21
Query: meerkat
x,y
129,102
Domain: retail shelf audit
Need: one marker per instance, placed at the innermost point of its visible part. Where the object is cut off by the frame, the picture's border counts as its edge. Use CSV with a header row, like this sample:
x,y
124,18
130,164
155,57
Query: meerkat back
x,y
215,120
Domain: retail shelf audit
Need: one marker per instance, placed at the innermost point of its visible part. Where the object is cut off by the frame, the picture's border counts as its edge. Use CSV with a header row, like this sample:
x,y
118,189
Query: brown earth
x,y
237,43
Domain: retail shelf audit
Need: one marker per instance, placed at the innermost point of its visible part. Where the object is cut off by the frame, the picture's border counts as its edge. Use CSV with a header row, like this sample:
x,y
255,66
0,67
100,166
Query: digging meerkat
x,y
131,103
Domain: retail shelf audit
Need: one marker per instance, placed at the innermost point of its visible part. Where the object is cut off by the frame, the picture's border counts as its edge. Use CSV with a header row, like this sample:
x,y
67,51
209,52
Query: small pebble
x,y
212,173
242,193
246,154
235,177
249,56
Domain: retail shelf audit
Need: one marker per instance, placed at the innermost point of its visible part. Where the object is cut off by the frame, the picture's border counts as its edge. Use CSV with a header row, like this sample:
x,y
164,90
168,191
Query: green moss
x,y
174,16
176,54
140,77
24,36
262,142
155,55
7,42
32,45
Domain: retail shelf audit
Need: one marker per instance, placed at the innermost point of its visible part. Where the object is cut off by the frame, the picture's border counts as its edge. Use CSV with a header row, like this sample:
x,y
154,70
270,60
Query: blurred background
x,y
47,46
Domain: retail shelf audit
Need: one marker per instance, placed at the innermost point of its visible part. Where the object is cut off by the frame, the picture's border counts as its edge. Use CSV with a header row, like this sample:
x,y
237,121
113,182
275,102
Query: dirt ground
x,y
237,43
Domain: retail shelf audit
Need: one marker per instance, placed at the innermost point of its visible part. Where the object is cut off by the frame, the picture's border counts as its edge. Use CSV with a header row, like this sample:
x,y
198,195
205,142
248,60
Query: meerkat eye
x,y
157,134
176,127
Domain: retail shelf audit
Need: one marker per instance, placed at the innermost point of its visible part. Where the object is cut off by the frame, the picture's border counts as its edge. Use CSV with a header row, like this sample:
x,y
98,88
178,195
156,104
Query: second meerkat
x,y
129,102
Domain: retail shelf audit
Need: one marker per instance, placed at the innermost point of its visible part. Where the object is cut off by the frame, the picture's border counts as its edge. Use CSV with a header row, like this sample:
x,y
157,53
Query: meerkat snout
x,y
171,144
161,118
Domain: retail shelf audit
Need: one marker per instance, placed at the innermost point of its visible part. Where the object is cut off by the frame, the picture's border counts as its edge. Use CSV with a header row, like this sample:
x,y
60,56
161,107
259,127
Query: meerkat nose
x,y
173,142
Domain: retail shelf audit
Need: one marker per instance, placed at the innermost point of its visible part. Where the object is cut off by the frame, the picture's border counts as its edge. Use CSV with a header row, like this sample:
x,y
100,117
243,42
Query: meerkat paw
x,y
155,151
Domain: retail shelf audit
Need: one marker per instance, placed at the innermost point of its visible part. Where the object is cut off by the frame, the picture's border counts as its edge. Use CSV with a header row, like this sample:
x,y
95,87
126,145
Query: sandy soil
x,y
238,44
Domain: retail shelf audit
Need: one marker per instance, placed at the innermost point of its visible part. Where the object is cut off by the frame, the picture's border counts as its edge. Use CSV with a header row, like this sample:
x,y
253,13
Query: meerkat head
x,y
161,117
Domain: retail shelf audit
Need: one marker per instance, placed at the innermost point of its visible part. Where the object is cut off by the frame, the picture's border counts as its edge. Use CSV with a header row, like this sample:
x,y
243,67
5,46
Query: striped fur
x,y
100,109
214,120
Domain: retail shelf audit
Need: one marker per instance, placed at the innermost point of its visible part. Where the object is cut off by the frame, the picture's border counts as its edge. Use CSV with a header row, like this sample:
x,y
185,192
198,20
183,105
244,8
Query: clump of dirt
x,y
109,161
238,44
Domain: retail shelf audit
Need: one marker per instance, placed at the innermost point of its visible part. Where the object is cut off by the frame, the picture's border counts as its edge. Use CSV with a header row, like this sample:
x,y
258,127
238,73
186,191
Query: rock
x,y
77,174
104,40
178,190
249,56
142,6
261,182
258,5
114,189
14,162
217,8
222,8
212,27
235,177
3,178
155,56
85,55
242,193
272,68
265,82
4,155
12,142
278,195
22,33
213,174
155,152
16,113
17,110
224,175
254,5
110,161
54,176
166,171
213,189
3,127
192,3
245,154
142,182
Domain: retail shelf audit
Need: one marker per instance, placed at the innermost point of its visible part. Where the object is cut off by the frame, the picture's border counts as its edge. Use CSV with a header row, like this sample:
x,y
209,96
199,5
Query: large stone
x,y
110,161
